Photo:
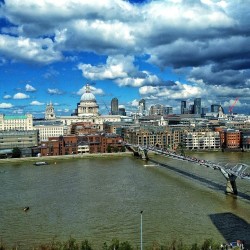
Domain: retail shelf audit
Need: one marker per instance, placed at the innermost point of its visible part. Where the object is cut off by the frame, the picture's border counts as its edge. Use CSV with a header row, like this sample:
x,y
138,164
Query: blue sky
x,y
163,51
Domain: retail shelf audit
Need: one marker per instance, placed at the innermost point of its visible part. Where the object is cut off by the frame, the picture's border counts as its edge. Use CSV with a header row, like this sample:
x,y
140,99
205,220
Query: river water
x,y
101,198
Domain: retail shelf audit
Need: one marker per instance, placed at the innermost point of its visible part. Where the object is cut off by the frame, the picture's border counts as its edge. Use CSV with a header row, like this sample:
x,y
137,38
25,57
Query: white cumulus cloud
x,y
21,96
29,88
5,105
115,67
36,103
121,70
54,91
29,49
7,97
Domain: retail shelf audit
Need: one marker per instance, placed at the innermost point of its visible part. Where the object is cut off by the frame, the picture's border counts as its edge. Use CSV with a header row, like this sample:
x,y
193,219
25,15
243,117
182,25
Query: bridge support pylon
x,y
231,185
143,153
138,151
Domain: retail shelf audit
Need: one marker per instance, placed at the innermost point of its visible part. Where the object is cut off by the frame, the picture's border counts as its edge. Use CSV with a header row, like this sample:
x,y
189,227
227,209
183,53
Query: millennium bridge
x,y
240,170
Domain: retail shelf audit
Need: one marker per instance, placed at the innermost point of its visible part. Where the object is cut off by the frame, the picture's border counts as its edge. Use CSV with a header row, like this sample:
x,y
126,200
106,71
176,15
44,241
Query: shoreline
x,y
88,155
63,157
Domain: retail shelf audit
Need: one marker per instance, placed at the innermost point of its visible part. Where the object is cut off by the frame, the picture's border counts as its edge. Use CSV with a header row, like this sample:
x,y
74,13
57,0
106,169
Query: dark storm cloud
x,y
227,77
184,53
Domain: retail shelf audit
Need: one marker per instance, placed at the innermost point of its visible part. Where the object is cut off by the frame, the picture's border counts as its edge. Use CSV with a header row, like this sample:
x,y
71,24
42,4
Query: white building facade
x,y
52,130
18,122
202,140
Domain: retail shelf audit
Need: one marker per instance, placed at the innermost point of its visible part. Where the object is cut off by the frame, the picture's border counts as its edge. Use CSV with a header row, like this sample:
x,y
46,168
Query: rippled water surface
x,y
101,198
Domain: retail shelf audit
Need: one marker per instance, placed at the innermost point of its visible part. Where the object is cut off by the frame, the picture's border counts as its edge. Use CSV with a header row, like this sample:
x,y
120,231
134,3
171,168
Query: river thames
x,y
100,198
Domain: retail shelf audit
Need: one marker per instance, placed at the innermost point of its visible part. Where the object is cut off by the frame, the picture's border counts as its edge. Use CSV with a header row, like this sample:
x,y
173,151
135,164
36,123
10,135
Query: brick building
x,y
82,128
79,144
62,145
230,139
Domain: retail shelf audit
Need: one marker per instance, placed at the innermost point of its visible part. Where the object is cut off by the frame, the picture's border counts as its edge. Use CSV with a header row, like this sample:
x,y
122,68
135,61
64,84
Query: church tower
x,y
50,112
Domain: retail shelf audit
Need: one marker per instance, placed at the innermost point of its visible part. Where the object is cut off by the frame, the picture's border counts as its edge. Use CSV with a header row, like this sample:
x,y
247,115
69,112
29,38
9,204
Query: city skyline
x,y
160,51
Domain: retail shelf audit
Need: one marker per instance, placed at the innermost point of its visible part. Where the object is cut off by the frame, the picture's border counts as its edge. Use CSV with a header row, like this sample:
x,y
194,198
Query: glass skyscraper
x,y
114,106
197,106
183,107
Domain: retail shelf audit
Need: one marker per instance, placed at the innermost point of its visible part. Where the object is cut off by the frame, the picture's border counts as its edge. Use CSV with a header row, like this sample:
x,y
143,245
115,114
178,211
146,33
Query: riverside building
x,y
202,140
80,144
18,139
245,140
230,139
16,122
49,128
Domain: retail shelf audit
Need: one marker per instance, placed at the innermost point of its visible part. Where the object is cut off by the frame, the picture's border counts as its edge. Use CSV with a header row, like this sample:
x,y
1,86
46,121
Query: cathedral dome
x,y
88,105
88,96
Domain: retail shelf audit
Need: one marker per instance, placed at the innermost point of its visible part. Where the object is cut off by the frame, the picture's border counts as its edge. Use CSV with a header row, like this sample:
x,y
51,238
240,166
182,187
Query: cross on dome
x,y
87,88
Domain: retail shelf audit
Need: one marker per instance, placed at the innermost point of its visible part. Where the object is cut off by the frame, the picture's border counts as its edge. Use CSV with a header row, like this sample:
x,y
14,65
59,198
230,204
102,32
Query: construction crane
x,y
230,110
109,112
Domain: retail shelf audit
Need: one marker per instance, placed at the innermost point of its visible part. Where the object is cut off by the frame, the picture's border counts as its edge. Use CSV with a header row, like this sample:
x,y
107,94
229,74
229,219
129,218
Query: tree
x,y
109,149
123,149
114,244
125,246
85,245
116,149
181,148
71,244
16,153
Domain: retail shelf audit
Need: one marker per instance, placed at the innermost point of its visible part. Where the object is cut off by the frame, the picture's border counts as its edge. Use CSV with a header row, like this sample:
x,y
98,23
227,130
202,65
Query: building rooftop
x,y
47,123
15,117
18,132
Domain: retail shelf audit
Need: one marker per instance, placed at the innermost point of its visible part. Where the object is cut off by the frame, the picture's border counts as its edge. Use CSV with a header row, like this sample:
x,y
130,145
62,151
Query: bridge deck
x,y
239,170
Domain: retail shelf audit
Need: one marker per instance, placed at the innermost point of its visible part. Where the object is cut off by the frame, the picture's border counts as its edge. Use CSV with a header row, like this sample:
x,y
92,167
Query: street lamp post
x,y
141,229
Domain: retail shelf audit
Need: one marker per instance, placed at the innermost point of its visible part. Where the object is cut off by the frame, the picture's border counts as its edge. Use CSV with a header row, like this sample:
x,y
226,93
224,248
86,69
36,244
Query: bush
x,y
72,244
16,153
85,245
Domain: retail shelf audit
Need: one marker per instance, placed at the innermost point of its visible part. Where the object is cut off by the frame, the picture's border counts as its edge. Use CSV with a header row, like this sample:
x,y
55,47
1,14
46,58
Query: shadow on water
x,y
211,184
231,227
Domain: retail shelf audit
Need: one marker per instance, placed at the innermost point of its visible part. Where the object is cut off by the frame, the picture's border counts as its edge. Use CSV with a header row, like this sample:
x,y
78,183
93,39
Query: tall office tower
x,y
142,102
204,110
215,108
183,106
157,109
191,109
197,106
142,107
122,111
114,106
169,110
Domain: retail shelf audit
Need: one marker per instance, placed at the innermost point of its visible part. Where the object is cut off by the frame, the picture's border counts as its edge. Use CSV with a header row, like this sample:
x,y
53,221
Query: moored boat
x,y
40,163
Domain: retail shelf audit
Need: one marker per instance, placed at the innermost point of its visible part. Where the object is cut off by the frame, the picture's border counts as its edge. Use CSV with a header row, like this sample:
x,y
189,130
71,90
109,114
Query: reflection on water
x,y
99,199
